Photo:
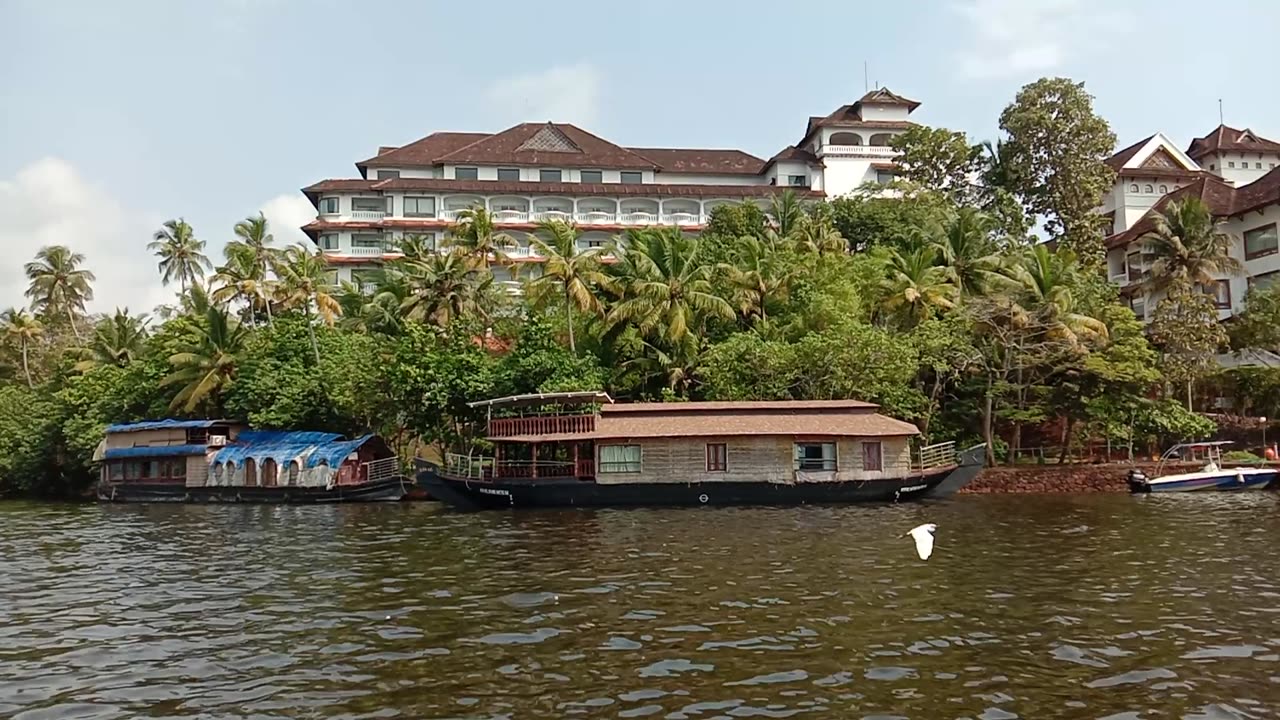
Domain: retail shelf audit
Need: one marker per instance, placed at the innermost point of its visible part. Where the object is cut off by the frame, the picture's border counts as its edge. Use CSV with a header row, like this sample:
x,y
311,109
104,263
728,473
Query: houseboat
x,y
222,461
582,449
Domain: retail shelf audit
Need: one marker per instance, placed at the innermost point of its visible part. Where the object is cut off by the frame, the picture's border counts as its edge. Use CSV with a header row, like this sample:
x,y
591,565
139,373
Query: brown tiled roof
x,y
422,152
513,146
341,186
885,96
1218,195
1259,193
490,187
1154,172
1117,161
693,160
734,406
793,153
1223,138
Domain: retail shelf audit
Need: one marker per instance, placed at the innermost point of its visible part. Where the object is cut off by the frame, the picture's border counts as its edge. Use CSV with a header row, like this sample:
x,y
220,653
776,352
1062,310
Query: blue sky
x,y
117,116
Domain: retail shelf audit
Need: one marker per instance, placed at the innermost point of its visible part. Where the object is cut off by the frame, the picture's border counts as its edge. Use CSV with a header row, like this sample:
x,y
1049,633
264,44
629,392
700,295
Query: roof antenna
x,y
1220,121
866,84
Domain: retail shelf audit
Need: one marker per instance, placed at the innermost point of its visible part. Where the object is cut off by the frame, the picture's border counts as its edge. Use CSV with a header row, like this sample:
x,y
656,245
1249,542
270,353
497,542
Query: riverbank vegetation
x,y
939,303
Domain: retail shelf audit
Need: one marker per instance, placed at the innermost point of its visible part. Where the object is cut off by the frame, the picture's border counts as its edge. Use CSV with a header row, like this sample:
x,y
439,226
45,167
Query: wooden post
x,y
497,459
534,466
576,445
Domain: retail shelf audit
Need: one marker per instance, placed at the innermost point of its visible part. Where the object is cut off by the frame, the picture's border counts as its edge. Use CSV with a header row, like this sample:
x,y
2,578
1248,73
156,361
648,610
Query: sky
x,y
116,116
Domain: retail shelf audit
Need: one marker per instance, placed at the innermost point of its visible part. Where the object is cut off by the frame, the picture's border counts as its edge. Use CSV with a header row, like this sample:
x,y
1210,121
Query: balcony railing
x,y
870,151
370,251
595,217
368,214
542,425
475,467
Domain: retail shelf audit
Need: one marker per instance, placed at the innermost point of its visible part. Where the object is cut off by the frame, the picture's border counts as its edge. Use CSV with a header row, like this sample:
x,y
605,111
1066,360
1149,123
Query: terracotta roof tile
x,y
582,189
1224,138
1218,195
708,161
523,145
885,96
1117,161
423,152
1259,193
736,406
793,153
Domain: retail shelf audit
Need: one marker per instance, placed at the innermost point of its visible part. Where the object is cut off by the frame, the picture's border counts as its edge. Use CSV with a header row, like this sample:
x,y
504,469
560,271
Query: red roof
x,y
793,153
691,160
735,406
581,189
885,96
422,152
546,144
1223,138
1217,194
1117,161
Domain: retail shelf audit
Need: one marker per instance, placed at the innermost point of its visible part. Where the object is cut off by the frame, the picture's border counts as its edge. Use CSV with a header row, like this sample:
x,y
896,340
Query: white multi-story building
x,y
1233,171
542,171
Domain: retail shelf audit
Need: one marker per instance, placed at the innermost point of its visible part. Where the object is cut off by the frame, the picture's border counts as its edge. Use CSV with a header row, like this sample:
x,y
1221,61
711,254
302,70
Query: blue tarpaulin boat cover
x,y
153,451
163,425
311,449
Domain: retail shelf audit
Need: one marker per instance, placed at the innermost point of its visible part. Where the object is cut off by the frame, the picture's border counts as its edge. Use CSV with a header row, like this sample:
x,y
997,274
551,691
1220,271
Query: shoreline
x,y
1063,479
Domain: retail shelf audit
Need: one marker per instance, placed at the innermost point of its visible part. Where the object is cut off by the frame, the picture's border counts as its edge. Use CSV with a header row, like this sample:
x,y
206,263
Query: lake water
x,y
1032,607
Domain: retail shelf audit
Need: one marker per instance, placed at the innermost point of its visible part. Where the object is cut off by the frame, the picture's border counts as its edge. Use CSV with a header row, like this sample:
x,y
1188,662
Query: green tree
x,y
1189,247
567,272
305,284
938,159
181,254
240,279
1185,327
1052,160
22,329
1258,325
967,252
867,222
254,240
117,340
204,366
444,288
57,285
476,236
756,275
915,286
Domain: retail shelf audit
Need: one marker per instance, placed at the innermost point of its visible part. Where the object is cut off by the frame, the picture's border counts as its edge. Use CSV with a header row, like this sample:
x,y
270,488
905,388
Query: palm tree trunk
x,y
71,318
25,367
987,413
1189,409
568,314
266,301
311,330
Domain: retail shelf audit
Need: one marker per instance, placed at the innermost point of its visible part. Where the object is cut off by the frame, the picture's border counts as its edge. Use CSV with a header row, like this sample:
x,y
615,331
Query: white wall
x,y
883,112
844,175
1245,168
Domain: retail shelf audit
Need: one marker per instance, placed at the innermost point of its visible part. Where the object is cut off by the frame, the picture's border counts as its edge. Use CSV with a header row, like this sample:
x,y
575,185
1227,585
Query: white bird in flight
x,y
923,535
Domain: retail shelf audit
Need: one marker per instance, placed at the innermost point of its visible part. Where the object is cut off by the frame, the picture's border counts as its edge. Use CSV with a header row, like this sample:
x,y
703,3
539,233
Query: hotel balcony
x,y
858,151
520,217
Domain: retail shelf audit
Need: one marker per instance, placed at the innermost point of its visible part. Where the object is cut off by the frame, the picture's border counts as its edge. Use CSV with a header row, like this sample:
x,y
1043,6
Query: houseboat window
x,y
619,458
815,456
269,472
717,456
872,456
117,470
197,436
295,467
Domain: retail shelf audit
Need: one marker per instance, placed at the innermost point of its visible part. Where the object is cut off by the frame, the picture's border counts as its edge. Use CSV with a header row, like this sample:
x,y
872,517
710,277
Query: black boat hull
x,y
390,490
469,494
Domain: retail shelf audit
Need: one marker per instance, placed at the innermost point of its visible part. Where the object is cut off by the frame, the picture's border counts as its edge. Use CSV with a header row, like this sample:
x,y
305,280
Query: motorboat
x,y
1212,476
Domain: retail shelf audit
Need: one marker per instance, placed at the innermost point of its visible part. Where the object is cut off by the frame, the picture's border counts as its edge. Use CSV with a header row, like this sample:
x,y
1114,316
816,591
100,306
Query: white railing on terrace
x,y
370,251
369,288
595,217
510,216
878,151
368,214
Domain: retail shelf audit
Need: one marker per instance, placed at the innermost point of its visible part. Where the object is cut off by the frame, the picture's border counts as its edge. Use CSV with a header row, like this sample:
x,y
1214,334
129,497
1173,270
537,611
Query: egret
x,y
923,535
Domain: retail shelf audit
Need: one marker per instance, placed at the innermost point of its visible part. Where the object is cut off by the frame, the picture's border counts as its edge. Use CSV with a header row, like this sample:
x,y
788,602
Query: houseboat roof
x,y
169,424
738,406
152,451
310,448
589,397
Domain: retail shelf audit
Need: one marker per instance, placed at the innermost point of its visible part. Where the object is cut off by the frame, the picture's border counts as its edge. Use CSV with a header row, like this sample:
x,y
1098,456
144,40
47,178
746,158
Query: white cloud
x,y
48,202
286,214
1024,37
564,93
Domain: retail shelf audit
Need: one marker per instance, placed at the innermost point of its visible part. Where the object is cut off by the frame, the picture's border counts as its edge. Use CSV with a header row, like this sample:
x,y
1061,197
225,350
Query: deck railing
x,y
382,469
477,467
474,467
936,456
541,425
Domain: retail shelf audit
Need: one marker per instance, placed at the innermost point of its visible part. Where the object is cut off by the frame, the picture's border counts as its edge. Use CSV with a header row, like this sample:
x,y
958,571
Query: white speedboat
x,y
1211,477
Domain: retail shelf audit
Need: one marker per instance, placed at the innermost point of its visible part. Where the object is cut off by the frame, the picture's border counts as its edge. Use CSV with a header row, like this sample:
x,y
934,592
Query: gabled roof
x,y
794,154
709,161
1224,138
1257,194
550,144
1218,195
1117,161
885,96
1154,155
421,152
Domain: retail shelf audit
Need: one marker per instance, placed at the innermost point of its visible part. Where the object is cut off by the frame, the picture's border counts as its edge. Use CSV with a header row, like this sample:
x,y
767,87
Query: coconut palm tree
x,y
205,366
915,286
181,254
967,252
306,283
1189,247
1047,282
57,285
474,234
756,276
22,328
241,280
663,288
816,233
568,272
253,236
787,212
117,340
415,247
443,287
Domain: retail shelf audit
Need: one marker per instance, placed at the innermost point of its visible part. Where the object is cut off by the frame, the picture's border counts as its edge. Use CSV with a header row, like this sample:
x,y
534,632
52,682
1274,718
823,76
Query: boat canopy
x,y
590,397
152,451
163,425
310,449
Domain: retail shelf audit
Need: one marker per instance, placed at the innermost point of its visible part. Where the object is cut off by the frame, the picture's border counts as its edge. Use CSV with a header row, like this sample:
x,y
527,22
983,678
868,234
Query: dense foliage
x,y
932,301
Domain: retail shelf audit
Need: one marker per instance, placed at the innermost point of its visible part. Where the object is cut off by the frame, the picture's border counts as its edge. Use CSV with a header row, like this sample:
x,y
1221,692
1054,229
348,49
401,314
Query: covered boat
x,y
1212,476
582,449
221,461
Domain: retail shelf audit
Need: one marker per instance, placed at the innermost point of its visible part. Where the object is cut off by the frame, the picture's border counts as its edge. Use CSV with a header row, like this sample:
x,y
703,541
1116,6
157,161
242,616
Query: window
x,y
295,467
419,207
368,204
619,458
329,206
328,241
1133,188
717,457
592,176
549,176
632,178
884,177
798,180
466,173
872,456
388,174
1164,189
1259,242
815,456
1212,166
1148,189
367,240
1220,291
1263,281
1138,305
1257,166
1231,164
509,174
117,470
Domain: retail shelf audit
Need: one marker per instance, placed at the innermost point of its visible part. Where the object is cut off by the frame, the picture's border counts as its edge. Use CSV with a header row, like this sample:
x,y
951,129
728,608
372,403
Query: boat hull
x,y
389,490
470,494
1227,480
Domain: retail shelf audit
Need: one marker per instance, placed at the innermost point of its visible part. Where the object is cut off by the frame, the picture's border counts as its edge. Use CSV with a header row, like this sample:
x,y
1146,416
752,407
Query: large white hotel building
x,y
542,171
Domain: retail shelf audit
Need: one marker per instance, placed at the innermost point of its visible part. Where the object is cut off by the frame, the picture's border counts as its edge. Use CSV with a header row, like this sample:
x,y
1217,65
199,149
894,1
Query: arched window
x,y
1148,189
1164,189
846,138
250,472
295,469
1133,188
269,472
